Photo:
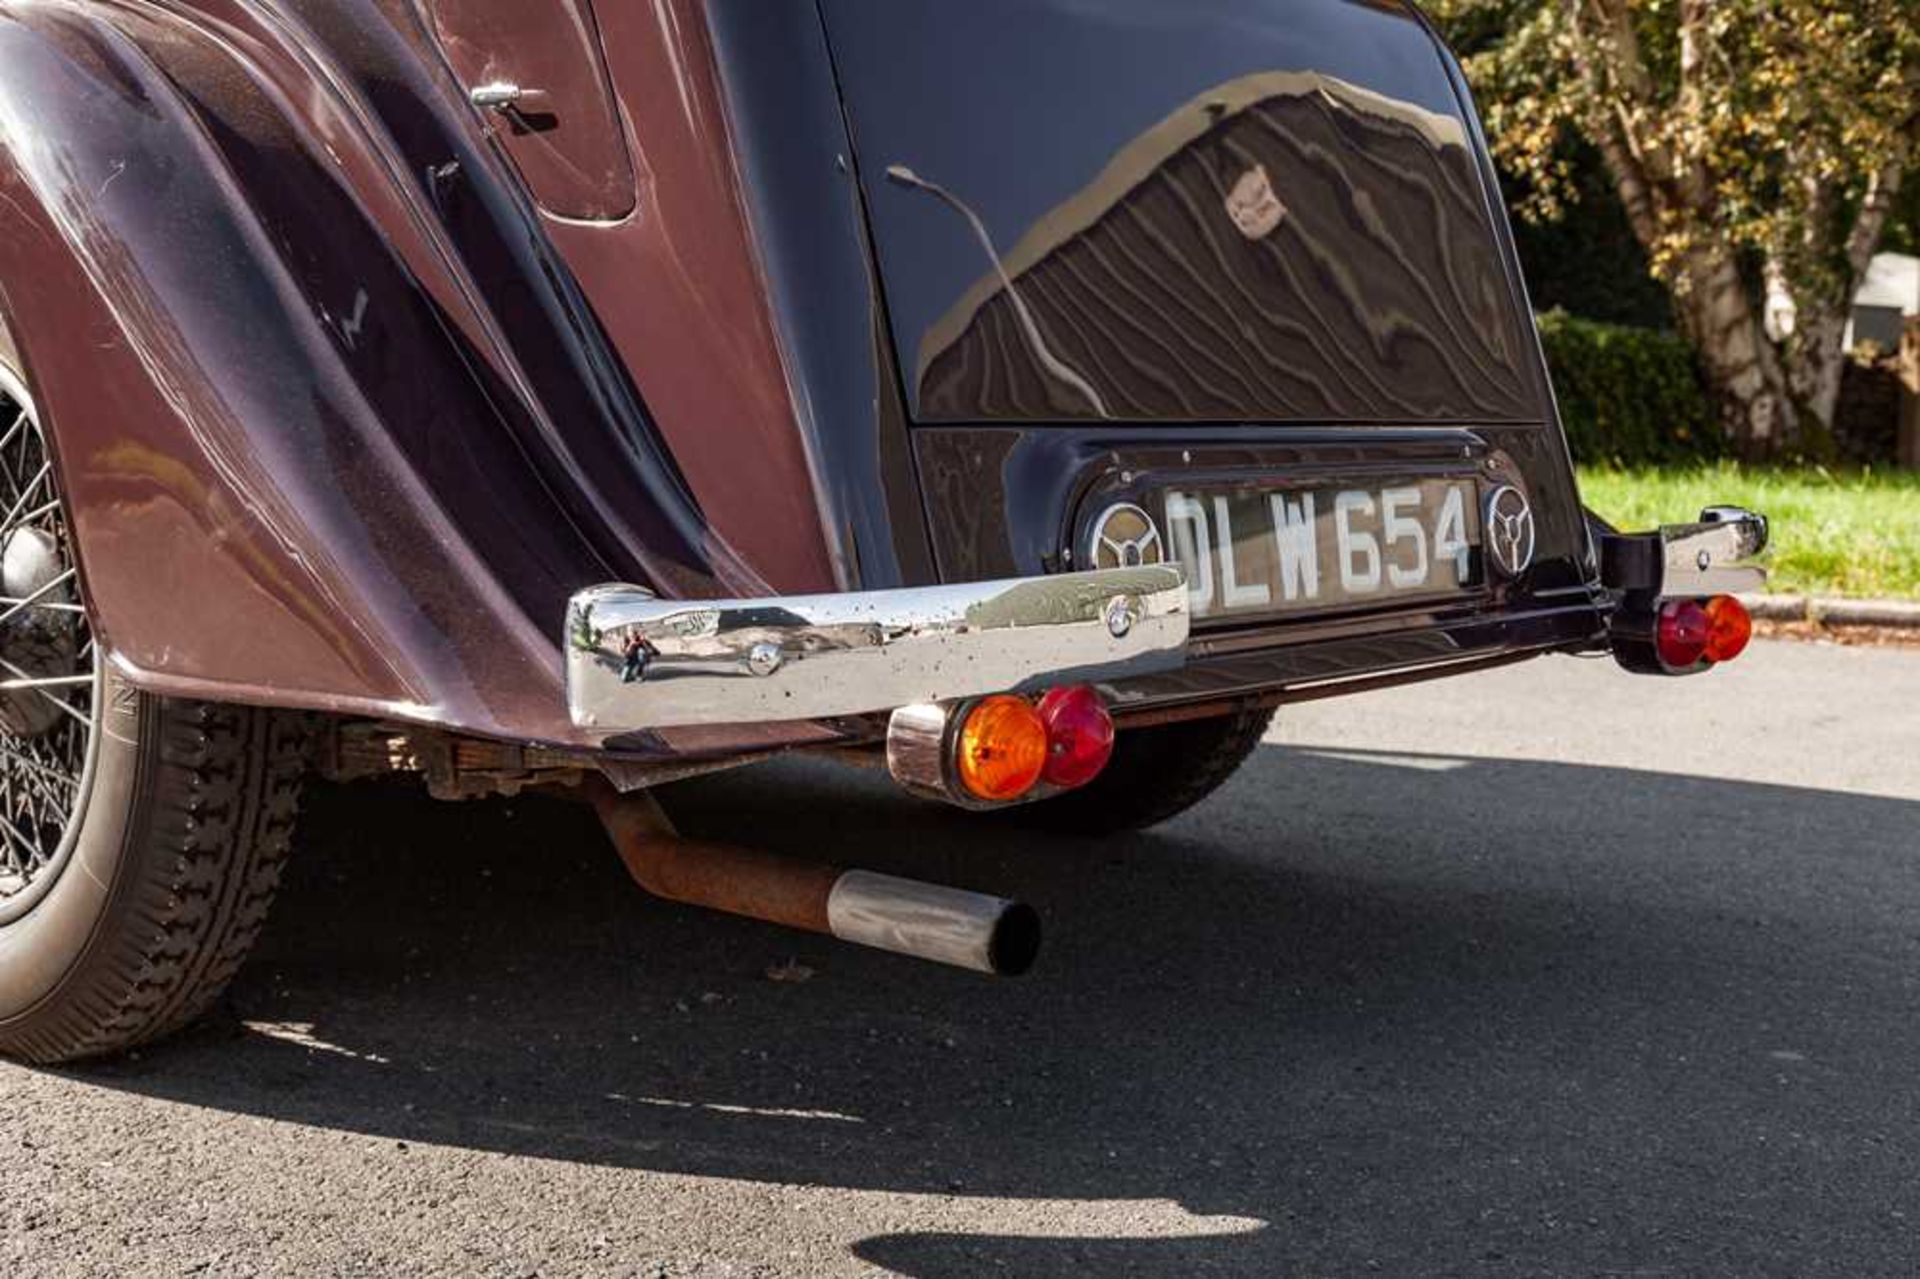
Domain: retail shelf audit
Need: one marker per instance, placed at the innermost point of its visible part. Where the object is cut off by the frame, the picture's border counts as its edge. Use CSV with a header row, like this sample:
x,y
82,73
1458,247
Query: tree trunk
x,y
1816,360
1662,192
1814,355
1743,373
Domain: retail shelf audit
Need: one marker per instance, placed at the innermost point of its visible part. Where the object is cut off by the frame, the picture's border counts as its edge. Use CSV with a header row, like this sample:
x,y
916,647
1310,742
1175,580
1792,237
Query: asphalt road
x,y
1549,969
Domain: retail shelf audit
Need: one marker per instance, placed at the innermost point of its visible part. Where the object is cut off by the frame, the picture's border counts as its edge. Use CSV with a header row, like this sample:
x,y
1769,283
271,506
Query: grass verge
x,y
1851,533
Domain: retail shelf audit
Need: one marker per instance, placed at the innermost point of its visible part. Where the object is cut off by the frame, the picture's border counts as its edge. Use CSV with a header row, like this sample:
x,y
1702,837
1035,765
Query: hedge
x,y
1628,396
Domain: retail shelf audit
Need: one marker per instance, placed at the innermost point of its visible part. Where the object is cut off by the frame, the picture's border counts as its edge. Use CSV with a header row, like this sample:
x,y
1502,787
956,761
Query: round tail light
x,y
1079,735
1683,632
1729,627
1002,748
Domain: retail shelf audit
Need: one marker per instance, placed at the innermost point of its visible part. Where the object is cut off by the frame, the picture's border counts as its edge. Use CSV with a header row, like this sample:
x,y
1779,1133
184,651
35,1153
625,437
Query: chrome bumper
x,y
1708,557
822,656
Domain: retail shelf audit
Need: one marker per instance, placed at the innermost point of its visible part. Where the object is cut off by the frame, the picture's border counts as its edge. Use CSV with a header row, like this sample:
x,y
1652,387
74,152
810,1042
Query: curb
x,y
1899,614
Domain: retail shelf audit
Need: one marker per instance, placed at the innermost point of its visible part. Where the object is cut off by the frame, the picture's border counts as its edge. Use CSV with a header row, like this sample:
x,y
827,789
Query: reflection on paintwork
x,y
1284,246
1253,206
1061,372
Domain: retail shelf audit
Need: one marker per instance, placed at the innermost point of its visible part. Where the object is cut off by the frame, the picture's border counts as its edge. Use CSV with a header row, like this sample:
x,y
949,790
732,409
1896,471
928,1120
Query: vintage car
x,y
1025,397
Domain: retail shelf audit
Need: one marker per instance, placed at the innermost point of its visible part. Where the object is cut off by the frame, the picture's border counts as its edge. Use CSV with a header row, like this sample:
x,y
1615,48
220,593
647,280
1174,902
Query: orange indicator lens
x,y
1728,628
1002,748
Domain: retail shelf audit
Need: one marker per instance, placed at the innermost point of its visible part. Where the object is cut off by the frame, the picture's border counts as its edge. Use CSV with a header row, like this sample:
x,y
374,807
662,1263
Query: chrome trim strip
x,y
1708,558
822,656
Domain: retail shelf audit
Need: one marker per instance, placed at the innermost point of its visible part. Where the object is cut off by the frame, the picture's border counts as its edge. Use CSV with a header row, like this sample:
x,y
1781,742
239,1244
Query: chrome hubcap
x,y
49,678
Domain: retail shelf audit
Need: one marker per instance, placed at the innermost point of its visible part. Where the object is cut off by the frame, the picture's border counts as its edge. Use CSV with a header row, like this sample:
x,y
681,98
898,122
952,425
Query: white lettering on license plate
x,y
1251,551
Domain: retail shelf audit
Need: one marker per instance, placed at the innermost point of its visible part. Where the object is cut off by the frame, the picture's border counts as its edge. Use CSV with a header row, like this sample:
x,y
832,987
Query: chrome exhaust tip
x,y
931,921
926,921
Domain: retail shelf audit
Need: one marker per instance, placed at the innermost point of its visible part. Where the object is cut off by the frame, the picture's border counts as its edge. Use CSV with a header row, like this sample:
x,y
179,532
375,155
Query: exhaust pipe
x,y
905,916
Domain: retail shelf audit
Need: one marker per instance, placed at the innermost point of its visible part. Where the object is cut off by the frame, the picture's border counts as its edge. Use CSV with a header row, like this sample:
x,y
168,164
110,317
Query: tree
x,y
1757,146
1903,225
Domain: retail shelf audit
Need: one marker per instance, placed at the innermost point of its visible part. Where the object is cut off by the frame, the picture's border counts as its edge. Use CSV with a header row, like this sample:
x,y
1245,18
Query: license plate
x,y
1249,550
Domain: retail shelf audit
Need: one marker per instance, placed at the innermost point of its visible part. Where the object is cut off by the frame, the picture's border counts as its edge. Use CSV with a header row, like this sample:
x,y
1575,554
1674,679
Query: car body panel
x,y
563,124
338,428
1226,209
678,291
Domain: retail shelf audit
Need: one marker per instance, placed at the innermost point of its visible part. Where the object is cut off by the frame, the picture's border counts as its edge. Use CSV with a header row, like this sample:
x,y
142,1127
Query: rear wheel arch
x,y
172,832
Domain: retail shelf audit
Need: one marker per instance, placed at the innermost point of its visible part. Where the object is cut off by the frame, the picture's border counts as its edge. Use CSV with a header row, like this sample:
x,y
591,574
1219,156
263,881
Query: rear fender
x,y
301,468
9,352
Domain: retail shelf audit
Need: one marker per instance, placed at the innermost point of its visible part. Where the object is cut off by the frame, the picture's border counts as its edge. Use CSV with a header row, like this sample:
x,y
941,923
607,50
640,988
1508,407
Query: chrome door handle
x,y
504,96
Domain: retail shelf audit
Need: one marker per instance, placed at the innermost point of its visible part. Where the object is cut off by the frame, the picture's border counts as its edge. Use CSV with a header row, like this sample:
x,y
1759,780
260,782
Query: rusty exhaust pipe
x,y
905,916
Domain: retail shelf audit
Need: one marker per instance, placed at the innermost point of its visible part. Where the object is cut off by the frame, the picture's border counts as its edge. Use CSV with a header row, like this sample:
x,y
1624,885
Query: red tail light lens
x,y
1683,632
1079,735
1728,628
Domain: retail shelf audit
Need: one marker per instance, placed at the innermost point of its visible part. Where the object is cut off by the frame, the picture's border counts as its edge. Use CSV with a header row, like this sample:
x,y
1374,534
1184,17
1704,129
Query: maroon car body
x,y
538,388
343,415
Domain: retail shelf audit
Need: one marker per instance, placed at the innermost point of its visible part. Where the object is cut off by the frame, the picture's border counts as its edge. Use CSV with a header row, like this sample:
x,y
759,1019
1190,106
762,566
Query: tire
x,y
141,838
1155,773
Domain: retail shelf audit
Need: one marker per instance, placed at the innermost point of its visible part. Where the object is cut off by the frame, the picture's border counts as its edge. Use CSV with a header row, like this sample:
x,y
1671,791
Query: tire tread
x,y
215,809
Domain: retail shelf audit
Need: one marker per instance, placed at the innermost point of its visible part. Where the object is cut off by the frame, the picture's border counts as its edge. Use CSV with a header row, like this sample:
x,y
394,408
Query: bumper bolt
x,y
764,659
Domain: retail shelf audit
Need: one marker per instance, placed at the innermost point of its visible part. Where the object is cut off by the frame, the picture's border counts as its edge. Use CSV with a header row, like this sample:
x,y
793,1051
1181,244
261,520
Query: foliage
x,y
1834,532
1627,396
1738,133
1903,227
1779,100
585,634
1587,260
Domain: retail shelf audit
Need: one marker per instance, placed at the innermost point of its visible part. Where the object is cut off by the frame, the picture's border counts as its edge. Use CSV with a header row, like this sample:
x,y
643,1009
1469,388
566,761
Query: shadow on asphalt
x,y
1416,1011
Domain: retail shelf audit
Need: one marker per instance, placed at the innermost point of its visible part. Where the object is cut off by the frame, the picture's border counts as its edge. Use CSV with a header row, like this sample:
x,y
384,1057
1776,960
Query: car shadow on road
x,y
1370,1006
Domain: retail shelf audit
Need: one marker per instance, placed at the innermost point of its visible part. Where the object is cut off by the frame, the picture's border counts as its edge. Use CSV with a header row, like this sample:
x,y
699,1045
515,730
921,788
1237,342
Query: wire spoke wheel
x,y
141,836
49,670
